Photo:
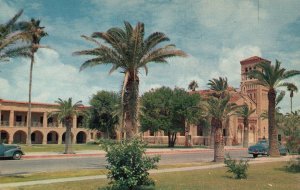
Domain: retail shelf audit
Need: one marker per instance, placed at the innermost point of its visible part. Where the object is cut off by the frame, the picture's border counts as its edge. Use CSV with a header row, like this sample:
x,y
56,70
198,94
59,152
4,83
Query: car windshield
x,y
262,142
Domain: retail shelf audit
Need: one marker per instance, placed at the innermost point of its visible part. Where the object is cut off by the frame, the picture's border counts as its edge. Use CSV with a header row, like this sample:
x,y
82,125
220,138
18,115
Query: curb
x,y
172,151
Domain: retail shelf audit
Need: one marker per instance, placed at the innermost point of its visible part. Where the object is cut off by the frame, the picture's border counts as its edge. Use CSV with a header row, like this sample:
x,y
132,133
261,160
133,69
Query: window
x,y
151,133
199,130
92,135
33,137
18,118
224,132
79,121
279,137
182,133
50,120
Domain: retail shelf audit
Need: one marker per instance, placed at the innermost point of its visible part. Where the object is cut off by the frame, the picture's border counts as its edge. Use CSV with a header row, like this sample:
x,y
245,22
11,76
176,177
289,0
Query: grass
x,y
57,147
176,146
79,147
261,177
51,175
78,173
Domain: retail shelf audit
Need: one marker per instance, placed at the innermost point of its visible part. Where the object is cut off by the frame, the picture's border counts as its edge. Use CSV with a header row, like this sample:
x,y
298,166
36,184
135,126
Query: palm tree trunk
x,y
212,137
246,133
273,142
219,144
186,133
68,143
130,105
291,104
29,102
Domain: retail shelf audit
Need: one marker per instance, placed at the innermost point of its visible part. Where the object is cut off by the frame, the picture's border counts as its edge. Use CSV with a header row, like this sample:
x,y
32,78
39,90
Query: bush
x,y
293,144
294,165
239,169
128,166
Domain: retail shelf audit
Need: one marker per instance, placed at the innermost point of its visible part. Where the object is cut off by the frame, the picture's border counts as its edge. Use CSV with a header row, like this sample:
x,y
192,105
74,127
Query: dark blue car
x,y
262,148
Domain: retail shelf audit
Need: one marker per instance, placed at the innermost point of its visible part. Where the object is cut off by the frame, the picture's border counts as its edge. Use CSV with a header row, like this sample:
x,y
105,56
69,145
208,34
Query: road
x,y
13,167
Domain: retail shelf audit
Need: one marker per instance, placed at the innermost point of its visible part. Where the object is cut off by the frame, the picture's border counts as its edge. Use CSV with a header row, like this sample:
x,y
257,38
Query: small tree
x,y
292,88
101,112
245,112
128,166
66,111
170,111
239,169
193,85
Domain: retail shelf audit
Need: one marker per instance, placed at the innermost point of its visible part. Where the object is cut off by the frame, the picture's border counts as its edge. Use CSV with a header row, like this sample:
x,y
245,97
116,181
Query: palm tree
x,y
193,85
219,87
9,36
272,77
34,33
66,111
245,112
292,88
128,51
219,109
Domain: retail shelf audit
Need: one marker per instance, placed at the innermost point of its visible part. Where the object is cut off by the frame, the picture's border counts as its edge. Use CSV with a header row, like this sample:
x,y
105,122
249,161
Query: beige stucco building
x,y
249,93
45,130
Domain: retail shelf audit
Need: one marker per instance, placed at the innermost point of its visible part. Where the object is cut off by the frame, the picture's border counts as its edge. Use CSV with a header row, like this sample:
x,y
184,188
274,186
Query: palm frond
x,y
279,98
90,39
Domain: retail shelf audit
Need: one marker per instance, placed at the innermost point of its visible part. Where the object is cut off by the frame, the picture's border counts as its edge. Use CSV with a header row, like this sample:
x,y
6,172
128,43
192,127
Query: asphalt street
x,y
13,167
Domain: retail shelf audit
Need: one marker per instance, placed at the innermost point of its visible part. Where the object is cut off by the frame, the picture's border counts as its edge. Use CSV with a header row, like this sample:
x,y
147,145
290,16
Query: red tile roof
x,y
33,103
254,59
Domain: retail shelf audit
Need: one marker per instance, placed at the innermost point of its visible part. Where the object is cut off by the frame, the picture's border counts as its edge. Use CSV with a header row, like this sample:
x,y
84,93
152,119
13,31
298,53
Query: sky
x,y
216,35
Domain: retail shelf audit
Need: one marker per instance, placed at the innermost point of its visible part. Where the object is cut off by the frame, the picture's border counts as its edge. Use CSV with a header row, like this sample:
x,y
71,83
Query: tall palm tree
x,y
127,50
66,111
292,88
272,77
10,34
193,85
219,87
245,112
34,33
219,109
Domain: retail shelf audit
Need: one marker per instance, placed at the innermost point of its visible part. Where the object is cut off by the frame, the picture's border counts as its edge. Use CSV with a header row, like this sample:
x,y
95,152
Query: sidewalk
x,y
50,181
101,153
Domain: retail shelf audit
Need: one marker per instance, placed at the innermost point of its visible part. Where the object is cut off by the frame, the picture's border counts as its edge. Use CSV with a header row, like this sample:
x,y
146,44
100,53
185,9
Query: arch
x,y
81,137
37,137
252,134
20,137
52,137
4,136
63,137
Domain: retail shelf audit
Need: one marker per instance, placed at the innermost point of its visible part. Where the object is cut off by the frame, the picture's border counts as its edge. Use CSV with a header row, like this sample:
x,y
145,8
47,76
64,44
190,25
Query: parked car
x,y
262,148
11,151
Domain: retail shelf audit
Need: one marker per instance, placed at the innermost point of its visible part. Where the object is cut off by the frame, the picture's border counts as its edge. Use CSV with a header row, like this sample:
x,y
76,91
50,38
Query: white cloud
x,y
7,11
229,62
52,79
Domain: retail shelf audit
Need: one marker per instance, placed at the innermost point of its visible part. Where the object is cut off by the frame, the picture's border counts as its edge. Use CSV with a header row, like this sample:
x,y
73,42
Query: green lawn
x,y
261,177
79,173
57,147
78,147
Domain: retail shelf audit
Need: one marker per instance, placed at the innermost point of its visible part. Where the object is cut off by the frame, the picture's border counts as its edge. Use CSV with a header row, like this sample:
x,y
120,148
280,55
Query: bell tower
x,y
257,93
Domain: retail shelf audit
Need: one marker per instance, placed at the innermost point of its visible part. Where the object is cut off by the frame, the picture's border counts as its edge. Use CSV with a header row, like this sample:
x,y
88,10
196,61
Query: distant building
x,y
255,96
13,120
45,130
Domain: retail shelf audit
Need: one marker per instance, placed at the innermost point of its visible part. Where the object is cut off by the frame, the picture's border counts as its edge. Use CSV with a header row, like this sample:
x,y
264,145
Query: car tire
x,y
255,155
17,156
